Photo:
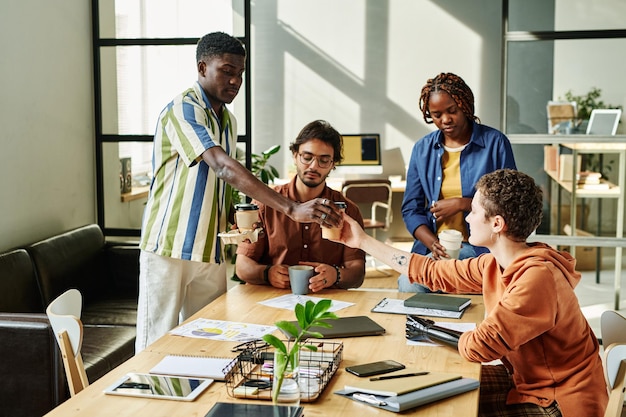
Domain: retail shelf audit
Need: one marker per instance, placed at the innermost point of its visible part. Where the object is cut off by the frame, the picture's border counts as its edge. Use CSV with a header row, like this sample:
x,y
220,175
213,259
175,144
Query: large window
x,y
552,47
144,54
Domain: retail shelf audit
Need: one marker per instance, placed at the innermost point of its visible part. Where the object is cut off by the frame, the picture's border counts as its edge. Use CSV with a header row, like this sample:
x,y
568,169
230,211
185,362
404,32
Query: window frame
x,y
100,138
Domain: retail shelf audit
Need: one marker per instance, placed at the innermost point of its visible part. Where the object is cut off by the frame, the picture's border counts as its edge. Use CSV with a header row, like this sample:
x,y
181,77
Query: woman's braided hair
x,y
453,85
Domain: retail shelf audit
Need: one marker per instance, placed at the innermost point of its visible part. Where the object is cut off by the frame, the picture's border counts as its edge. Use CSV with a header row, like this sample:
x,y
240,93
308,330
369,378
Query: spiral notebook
x,y
192,366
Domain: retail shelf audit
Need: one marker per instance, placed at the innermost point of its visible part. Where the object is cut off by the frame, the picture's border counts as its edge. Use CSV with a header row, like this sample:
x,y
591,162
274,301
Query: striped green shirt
x,y
187,204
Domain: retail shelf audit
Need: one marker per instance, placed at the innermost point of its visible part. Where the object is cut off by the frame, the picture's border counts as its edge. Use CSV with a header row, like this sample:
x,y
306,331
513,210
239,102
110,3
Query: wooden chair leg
x,y
74,367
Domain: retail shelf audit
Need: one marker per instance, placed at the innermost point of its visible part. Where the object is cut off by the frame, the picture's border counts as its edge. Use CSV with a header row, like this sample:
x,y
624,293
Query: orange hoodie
x,y
534,324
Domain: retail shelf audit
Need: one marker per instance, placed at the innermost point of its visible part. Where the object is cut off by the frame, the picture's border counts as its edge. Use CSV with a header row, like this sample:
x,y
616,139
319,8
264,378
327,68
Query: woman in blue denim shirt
x,y
444,167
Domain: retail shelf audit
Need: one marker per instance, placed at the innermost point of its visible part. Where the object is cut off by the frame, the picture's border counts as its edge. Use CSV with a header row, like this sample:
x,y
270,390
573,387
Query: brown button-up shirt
x,y
289,242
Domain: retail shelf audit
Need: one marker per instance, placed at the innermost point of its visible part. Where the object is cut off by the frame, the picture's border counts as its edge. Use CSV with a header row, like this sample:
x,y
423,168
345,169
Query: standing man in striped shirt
x,y
181,265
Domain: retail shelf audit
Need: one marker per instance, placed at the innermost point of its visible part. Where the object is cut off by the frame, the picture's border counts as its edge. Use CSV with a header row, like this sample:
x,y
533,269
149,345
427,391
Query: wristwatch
x,y
266,274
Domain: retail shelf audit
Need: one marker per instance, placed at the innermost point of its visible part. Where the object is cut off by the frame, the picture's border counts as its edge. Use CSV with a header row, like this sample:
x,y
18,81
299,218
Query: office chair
x,y
64,315
374,192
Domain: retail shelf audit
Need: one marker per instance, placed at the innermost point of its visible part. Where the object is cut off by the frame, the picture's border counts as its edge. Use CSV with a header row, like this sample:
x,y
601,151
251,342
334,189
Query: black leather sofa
x,y
32,377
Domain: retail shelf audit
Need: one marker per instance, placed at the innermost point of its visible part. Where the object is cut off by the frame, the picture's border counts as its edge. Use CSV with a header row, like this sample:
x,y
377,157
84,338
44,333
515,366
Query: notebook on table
x,y
354,326
437,301
192,366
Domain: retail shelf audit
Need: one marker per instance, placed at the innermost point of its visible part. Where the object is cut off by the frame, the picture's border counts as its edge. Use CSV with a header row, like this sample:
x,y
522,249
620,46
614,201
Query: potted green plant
x,y
585,103
260,168
287,355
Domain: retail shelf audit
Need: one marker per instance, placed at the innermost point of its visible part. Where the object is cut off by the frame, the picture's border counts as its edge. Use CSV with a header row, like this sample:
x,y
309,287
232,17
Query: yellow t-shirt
x,y
451,188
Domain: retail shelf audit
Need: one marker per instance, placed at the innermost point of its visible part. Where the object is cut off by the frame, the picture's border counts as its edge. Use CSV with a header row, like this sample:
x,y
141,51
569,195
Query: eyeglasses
x,y
250,345
323,161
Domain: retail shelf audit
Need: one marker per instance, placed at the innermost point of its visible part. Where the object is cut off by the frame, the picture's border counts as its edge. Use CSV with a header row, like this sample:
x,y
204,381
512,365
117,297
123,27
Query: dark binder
x,y
221,409
348,327
414,399
437,301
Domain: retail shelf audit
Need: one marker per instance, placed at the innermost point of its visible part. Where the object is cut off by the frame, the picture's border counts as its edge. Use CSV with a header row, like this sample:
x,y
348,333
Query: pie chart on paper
x,y
207,332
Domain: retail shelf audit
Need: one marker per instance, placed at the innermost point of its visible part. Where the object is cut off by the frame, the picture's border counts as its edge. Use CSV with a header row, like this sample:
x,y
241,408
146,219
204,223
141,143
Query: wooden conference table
x,y
240,304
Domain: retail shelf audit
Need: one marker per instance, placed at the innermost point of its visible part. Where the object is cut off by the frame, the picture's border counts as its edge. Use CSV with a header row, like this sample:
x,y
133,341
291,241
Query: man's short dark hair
x,y
218,43
322,130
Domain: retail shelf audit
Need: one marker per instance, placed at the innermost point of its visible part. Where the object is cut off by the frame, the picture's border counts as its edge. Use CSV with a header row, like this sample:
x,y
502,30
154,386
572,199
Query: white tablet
x,y
159,386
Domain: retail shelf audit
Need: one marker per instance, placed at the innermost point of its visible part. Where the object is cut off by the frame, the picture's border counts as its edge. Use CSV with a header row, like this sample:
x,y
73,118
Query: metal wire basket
x,y
250,376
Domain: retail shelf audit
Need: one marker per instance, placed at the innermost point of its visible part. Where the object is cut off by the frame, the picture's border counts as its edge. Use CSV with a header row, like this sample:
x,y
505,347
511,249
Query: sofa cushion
x,y
106,347
71,260
19,291
118,312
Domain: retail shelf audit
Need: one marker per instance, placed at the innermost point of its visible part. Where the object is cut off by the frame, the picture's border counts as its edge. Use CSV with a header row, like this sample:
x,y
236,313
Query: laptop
x,y
354,326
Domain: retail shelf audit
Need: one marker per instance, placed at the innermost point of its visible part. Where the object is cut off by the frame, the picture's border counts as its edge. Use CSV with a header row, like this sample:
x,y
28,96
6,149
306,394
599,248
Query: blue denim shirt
x,y
488,150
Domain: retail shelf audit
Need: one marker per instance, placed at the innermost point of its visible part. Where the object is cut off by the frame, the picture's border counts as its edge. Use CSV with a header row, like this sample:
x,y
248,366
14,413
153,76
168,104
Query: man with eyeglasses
x,y
315,151
181,265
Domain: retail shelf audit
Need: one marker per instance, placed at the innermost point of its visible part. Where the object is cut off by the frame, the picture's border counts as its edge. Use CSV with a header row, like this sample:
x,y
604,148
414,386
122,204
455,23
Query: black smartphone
x,y
375,368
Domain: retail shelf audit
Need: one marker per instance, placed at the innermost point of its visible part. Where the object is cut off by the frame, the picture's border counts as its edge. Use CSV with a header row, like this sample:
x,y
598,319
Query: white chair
x,y
613,334
615,374
64,315
612,328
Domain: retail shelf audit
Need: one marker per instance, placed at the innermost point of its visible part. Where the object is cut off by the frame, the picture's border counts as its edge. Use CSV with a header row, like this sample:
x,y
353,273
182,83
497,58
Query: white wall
x,y
361,65
47,166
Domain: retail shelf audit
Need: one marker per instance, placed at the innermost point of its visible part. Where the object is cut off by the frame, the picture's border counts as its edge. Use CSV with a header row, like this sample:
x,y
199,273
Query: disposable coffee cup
x,y
451,240
299,276
334,232
245,216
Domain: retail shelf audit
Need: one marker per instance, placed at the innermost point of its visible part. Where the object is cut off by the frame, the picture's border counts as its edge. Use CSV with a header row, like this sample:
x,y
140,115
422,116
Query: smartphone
x,y
375,368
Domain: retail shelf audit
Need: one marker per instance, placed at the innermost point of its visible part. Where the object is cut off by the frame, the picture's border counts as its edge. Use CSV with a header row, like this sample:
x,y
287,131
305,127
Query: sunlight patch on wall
x,y
347,46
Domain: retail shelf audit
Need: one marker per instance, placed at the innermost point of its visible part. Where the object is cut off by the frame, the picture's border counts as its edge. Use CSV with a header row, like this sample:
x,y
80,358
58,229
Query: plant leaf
x,y
300,311
309,311
321,307
275,342
289,328
271,151
316,335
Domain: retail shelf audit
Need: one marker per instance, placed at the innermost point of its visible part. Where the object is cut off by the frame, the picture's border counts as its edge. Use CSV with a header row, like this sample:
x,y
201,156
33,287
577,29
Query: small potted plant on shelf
x,y
585,103
287,356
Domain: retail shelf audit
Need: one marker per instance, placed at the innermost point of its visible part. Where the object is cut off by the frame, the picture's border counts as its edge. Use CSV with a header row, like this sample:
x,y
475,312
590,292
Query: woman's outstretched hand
x,y
352,234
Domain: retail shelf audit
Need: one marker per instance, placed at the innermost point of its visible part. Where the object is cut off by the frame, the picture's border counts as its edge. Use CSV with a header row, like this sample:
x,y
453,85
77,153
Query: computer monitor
x,y
361,155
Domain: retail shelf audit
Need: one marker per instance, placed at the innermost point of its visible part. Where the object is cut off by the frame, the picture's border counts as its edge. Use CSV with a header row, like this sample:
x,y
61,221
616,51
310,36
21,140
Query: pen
x,y
370,399
382,378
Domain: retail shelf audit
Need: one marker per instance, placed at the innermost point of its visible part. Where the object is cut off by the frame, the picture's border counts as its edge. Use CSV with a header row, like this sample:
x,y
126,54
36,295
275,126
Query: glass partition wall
x,y
144,54
553,48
